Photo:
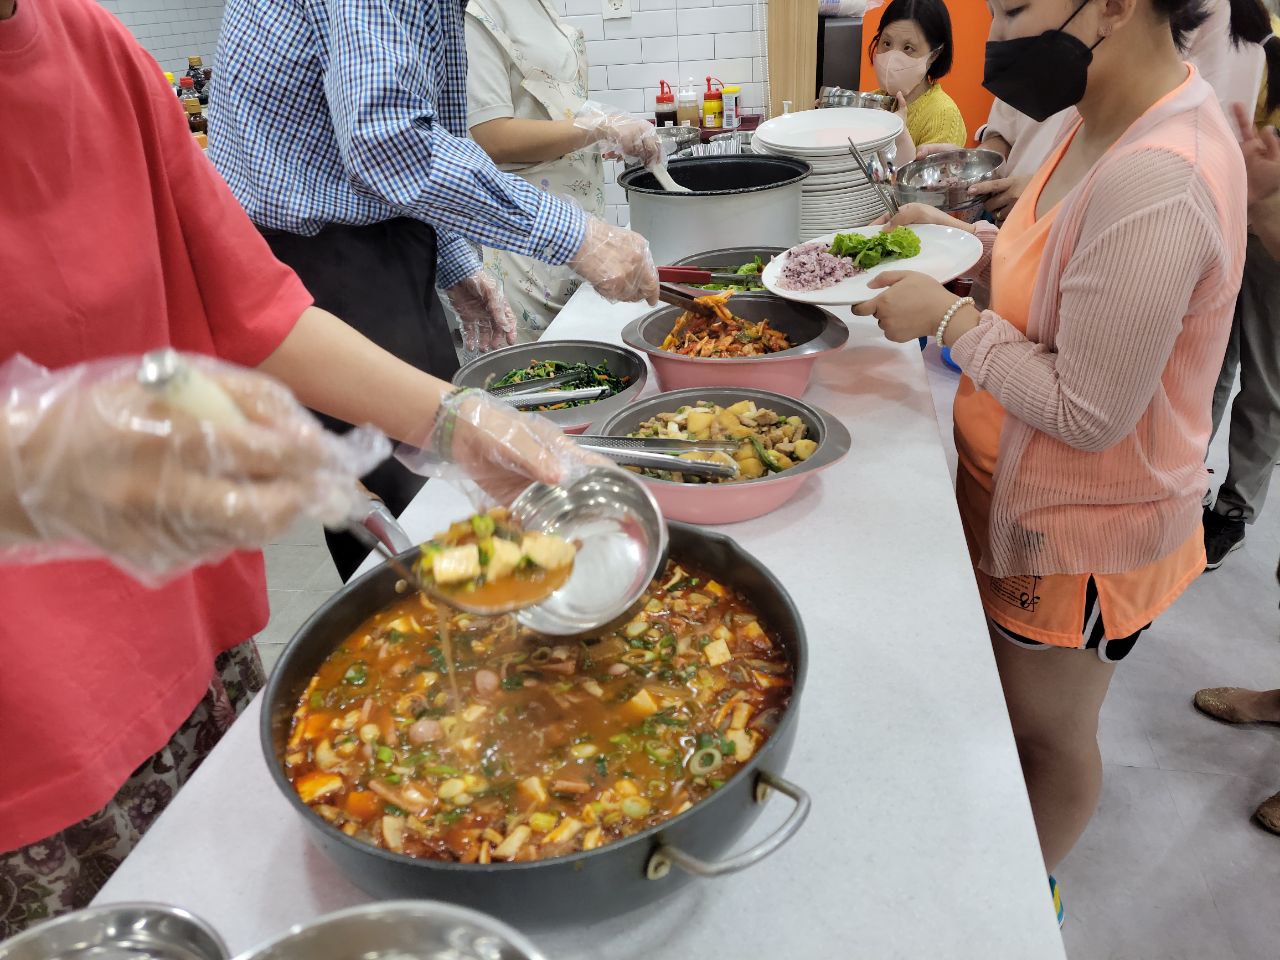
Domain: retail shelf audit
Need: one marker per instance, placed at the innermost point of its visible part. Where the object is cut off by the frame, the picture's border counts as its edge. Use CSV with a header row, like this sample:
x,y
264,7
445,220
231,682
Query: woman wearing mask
x,y
1083,415
528,109
911,52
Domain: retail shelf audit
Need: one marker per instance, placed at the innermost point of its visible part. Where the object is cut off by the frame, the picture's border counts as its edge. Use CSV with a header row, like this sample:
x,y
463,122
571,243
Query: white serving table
x,y
920,842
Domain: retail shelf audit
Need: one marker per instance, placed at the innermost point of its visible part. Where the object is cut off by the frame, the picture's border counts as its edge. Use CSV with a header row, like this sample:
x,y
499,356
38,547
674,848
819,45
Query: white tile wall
x,y
662,40
670,40
172,30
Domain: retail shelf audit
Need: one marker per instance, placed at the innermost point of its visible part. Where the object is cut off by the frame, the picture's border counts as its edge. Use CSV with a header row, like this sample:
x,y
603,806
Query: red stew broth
x,y
556,747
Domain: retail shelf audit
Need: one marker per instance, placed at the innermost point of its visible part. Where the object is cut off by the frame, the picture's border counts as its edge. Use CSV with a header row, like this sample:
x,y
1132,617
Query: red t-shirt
x,y
116,237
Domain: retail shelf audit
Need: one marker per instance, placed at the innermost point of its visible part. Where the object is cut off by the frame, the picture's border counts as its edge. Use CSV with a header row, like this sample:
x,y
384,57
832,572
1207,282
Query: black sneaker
x,y
1222,534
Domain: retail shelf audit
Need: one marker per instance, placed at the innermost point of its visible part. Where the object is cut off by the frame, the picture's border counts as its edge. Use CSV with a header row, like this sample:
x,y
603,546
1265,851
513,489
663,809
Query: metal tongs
x,y
549,398
886,196
533,386
678,296
697,275
661,453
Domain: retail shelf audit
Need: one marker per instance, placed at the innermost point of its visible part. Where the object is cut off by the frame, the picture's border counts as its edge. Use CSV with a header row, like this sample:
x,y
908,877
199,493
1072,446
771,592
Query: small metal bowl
x,y
491,367
813,330
677,141
920,180
839,97
732,502
119,931
400,930
622,544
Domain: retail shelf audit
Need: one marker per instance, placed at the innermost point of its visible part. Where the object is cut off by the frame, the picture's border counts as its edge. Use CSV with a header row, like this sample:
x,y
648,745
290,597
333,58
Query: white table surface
x,y
920,842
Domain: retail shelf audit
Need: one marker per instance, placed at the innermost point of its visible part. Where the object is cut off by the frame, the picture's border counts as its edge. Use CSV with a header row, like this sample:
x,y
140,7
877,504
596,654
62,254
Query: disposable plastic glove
x,y
486,318
617,263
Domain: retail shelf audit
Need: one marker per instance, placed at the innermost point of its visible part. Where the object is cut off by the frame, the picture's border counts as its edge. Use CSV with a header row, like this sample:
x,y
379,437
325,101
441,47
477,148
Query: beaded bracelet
x,y
951,312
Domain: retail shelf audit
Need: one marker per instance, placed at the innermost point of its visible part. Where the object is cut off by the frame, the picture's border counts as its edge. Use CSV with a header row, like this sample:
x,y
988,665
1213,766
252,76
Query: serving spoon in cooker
x,y
659,171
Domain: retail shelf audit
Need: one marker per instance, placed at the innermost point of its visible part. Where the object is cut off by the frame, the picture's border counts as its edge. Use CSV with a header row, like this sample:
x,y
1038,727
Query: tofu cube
x,y
456,564
640,706
504,555
548,552
717,652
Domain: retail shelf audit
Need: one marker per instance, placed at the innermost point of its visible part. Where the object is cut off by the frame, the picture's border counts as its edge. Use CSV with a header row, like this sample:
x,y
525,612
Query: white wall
x,y
670,40
172,30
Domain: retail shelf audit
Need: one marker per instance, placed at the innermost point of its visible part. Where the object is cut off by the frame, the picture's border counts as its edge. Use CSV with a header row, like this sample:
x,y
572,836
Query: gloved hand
x,y
493,451
486,318
95,465
617,263
619,134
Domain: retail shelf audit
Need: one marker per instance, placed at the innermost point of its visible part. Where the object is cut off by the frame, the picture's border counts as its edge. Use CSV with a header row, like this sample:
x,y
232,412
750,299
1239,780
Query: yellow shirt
x,y
933,117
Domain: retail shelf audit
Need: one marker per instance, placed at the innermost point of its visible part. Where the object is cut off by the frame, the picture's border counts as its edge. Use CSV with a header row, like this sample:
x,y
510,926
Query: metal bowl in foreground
x,y
489,368
400,930
119,931
813,330
710,503
943,180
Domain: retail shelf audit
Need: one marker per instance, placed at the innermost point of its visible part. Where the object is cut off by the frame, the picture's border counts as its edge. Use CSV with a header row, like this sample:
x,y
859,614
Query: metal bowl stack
x,y
943,180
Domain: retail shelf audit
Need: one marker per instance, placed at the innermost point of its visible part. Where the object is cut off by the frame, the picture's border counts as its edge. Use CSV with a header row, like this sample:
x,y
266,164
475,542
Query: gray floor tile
x,y
305,532
325,576
1130,890
291,566
270,653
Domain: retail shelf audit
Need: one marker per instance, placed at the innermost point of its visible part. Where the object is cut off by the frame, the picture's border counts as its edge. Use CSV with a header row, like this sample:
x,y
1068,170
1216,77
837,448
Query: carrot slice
x,y
362,804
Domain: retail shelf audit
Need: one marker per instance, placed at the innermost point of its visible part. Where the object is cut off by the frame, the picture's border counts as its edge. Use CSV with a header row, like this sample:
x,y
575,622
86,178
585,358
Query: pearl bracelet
x,y
951,312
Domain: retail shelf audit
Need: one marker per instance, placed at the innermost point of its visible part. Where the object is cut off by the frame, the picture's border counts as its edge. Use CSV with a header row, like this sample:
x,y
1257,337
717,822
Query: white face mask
x,y
899,72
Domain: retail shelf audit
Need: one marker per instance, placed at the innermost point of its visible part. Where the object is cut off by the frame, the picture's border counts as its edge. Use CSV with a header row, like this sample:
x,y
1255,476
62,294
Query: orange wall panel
x,y
970,23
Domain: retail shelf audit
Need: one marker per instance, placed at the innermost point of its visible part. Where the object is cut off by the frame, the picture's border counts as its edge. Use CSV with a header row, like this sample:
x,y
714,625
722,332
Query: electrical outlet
x,y
616,9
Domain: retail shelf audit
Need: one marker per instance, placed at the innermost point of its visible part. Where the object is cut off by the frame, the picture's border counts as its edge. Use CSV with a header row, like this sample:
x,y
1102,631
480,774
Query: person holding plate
x,y
1084,412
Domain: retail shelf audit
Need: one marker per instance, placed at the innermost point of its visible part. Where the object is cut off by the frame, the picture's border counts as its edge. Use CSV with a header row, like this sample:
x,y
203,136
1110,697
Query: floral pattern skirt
x,y
65,871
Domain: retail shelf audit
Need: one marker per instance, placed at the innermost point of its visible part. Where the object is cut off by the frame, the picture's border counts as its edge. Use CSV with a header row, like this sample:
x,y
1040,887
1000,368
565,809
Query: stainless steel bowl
x,y
678,141
400,930
622,544
490,367
921,181
839,97
120,931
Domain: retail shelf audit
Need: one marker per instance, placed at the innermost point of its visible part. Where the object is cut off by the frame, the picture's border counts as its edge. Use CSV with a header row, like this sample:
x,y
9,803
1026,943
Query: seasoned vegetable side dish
x,y
770,442
722,335
586,375
750,273
549,749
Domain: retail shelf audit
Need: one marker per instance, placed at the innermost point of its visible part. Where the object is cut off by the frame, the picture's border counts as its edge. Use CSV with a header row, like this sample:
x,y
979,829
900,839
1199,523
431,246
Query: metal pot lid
x,y
123,931
720,176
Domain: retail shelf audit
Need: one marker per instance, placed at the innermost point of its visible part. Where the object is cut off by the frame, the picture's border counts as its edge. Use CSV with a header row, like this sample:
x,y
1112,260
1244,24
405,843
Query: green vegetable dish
x,y
750,273
900,243
583,375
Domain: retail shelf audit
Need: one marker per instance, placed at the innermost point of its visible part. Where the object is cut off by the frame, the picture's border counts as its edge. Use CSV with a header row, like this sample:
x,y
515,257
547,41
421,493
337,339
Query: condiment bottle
x,y
173,84
187,88
195,70
713,105
196,121
730,97
207,86
664,106
687,114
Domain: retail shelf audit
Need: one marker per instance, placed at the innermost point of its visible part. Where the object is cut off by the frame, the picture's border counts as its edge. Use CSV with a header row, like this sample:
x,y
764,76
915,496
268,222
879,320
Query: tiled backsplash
x,y
172,30
670,40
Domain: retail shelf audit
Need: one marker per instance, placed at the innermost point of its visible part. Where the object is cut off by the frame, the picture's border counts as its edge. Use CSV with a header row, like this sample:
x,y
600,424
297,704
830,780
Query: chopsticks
x,y
695,275
886,197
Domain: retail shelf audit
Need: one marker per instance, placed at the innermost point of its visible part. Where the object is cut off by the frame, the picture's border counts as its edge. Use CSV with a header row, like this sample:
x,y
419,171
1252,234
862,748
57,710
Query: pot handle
x,y
660,861
377,528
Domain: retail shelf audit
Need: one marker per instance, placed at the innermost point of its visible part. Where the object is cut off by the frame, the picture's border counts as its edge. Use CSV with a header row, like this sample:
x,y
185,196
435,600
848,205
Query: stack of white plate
x,y
837,195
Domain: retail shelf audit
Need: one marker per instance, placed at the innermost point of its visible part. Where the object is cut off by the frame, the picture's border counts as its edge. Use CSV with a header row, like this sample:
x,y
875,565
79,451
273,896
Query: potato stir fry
x,y
770,442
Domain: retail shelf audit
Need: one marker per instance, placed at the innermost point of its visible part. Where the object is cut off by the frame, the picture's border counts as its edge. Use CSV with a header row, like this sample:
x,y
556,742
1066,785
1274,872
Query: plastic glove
x,y
493,451
630,138
486,319
617,263
103,467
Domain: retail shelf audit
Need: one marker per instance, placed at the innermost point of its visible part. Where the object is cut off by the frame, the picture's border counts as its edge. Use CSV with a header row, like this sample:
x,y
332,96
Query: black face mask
x,y
1039,76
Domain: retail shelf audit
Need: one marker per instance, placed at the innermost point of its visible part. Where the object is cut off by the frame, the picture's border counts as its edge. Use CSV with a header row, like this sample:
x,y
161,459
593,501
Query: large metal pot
x,y
749,200
582,887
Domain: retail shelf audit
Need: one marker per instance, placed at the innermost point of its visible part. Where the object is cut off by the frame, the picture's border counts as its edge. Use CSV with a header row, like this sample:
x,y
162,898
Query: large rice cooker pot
x,y
746,200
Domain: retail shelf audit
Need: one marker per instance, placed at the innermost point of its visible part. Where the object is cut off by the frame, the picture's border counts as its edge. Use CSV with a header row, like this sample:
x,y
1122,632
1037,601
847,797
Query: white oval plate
x,y
945,253
826,131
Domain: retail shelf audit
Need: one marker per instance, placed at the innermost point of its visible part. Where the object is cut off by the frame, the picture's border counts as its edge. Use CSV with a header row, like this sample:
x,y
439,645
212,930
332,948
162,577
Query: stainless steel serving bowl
x,y
840,97
678,141
400,930
730,257
119,931
921,181
491,367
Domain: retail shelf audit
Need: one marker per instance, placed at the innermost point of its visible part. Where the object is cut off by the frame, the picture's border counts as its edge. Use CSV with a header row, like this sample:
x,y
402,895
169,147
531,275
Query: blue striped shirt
x,y
354,112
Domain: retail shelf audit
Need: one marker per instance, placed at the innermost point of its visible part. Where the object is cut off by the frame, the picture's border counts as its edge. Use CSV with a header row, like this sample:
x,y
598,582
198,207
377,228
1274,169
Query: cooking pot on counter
x,y
586,886
744,200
